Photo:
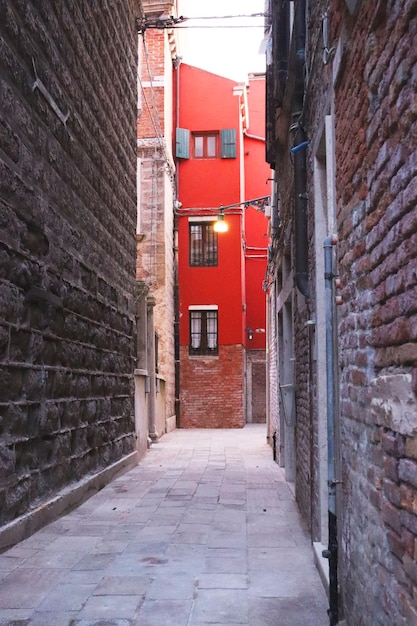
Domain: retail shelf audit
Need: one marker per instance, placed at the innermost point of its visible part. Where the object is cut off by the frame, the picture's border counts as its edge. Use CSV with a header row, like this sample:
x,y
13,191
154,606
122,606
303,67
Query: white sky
x,y
230,52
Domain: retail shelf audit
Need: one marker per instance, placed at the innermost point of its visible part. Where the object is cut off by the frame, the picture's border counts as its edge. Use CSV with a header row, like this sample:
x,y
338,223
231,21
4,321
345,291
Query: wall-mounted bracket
x,y
38,84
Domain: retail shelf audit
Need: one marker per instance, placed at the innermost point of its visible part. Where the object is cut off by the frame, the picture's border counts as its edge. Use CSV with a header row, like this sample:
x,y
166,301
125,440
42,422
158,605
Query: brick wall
x,y
67,241
376,126
155,260
305,429
369,85
221,405
272,370
259,389
152,70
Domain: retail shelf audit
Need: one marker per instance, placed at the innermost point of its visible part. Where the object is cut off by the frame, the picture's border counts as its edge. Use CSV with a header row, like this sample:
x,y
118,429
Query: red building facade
x,y
221,304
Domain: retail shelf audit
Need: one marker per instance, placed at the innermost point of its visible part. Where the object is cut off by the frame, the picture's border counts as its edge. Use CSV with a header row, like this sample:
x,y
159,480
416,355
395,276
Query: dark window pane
x,y
202,244
203,332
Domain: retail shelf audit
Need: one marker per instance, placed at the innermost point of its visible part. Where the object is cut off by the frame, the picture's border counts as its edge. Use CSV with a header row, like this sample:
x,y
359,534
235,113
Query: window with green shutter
x,y
204,145
228,139
182,150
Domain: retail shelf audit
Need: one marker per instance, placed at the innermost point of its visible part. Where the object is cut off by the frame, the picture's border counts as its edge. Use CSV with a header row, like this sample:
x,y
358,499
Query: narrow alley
x,y
204,530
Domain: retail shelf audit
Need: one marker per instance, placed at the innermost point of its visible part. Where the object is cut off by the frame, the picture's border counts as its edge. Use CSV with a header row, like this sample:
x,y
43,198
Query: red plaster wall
x,y
207,103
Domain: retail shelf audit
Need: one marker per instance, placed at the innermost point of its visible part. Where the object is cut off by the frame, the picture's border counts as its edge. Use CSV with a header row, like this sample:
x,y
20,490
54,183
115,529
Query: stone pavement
x,y
203,531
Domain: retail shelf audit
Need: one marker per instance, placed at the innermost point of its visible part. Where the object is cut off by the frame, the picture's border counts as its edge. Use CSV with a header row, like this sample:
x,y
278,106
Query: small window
x,y
202,242
203,332
205,145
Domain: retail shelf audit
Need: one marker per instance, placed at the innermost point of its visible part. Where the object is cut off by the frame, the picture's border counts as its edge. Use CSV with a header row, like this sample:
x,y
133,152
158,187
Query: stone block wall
x,y
222,380
67,243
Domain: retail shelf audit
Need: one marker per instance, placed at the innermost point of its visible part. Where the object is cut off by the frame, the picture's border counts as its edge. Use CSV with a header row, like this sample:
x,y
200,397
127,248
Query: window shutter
x,y
182,143
228,137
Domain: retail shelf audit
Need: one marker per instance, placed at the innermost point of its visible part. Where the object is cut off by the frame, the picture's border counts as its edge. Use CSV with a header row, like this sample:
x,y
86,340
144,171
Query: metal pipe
x,y
332,552
177,364
257,137
300,210
299,152
151,387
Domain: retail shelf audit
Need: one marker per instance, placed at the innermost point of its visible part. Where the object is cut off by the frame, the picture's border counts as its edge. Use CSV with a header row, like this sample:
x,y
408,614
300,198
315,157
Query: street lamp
x,y
220,225
260,204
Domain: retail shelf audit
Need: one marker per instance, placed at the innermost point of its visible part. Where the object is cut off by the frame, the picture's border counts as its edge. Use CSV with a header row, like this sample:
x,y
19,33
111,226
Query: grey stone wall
x,y
67,243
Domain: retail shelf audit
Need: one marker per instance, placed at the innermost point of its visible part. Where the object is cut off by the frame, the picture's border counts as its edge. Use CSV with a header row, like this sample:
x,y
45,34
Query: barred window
x,y
203,332
202,244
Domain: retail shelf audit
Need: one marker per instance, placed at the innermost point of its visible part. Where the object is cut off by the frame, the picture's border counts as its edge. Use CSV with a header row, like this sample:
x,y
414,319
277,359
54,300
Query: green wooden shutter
x,y
228,137
182,150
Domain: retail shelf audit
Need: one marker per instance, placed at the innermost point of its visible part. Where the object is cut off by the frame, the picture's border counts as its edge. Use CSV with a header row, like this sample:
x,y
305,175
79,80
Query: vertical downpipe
x,y
300,205
332,552
150,362
177,65
299,152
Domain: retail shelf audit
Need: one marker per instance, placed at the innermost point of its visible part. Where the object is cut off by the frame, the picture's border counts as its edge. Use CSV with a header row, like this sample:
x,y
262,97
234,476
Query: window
x,y
202,244
203,332
205,145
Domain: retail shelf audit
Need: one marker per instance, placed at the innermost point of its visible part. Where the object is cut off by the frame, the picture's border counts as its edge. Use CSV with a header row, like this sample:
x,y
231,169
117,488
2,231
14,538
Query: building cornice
x,y
156,8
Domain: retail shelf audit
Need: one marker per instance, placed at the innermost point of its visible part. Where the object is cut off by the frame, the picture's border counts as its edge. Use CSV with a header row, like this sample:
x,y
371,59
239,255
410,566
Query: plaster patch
x,y
394,404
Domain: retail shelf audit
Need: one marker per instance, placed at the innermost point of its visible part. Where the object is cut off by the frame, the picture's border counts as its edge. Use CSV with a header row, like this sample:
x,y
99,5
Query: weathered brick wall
x,y
67,240
155,260
305,433
376,126
318,105
222,381
272,370
256,386
304,428
152,72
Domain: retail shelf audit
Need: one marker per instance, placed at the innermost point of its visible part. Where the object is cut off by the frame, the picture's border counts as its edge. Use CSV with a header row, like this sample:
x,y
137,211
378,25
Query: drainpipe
x,y
151,382
332,552
177,66
300,206
299,152
257,137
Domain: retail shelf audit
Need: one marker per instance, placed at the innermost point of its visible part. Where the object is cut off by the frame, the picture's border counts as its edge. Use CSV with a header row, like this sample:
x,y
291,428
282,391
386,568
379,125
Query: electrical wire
x,y
172,22
218,26
225,17
167,166
156,123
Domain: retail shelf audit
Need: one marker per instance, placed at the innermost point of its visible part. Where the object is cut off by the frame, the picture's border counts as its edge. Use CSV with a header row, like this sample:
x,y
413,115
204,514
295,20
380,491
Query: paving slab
x,y
205,530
